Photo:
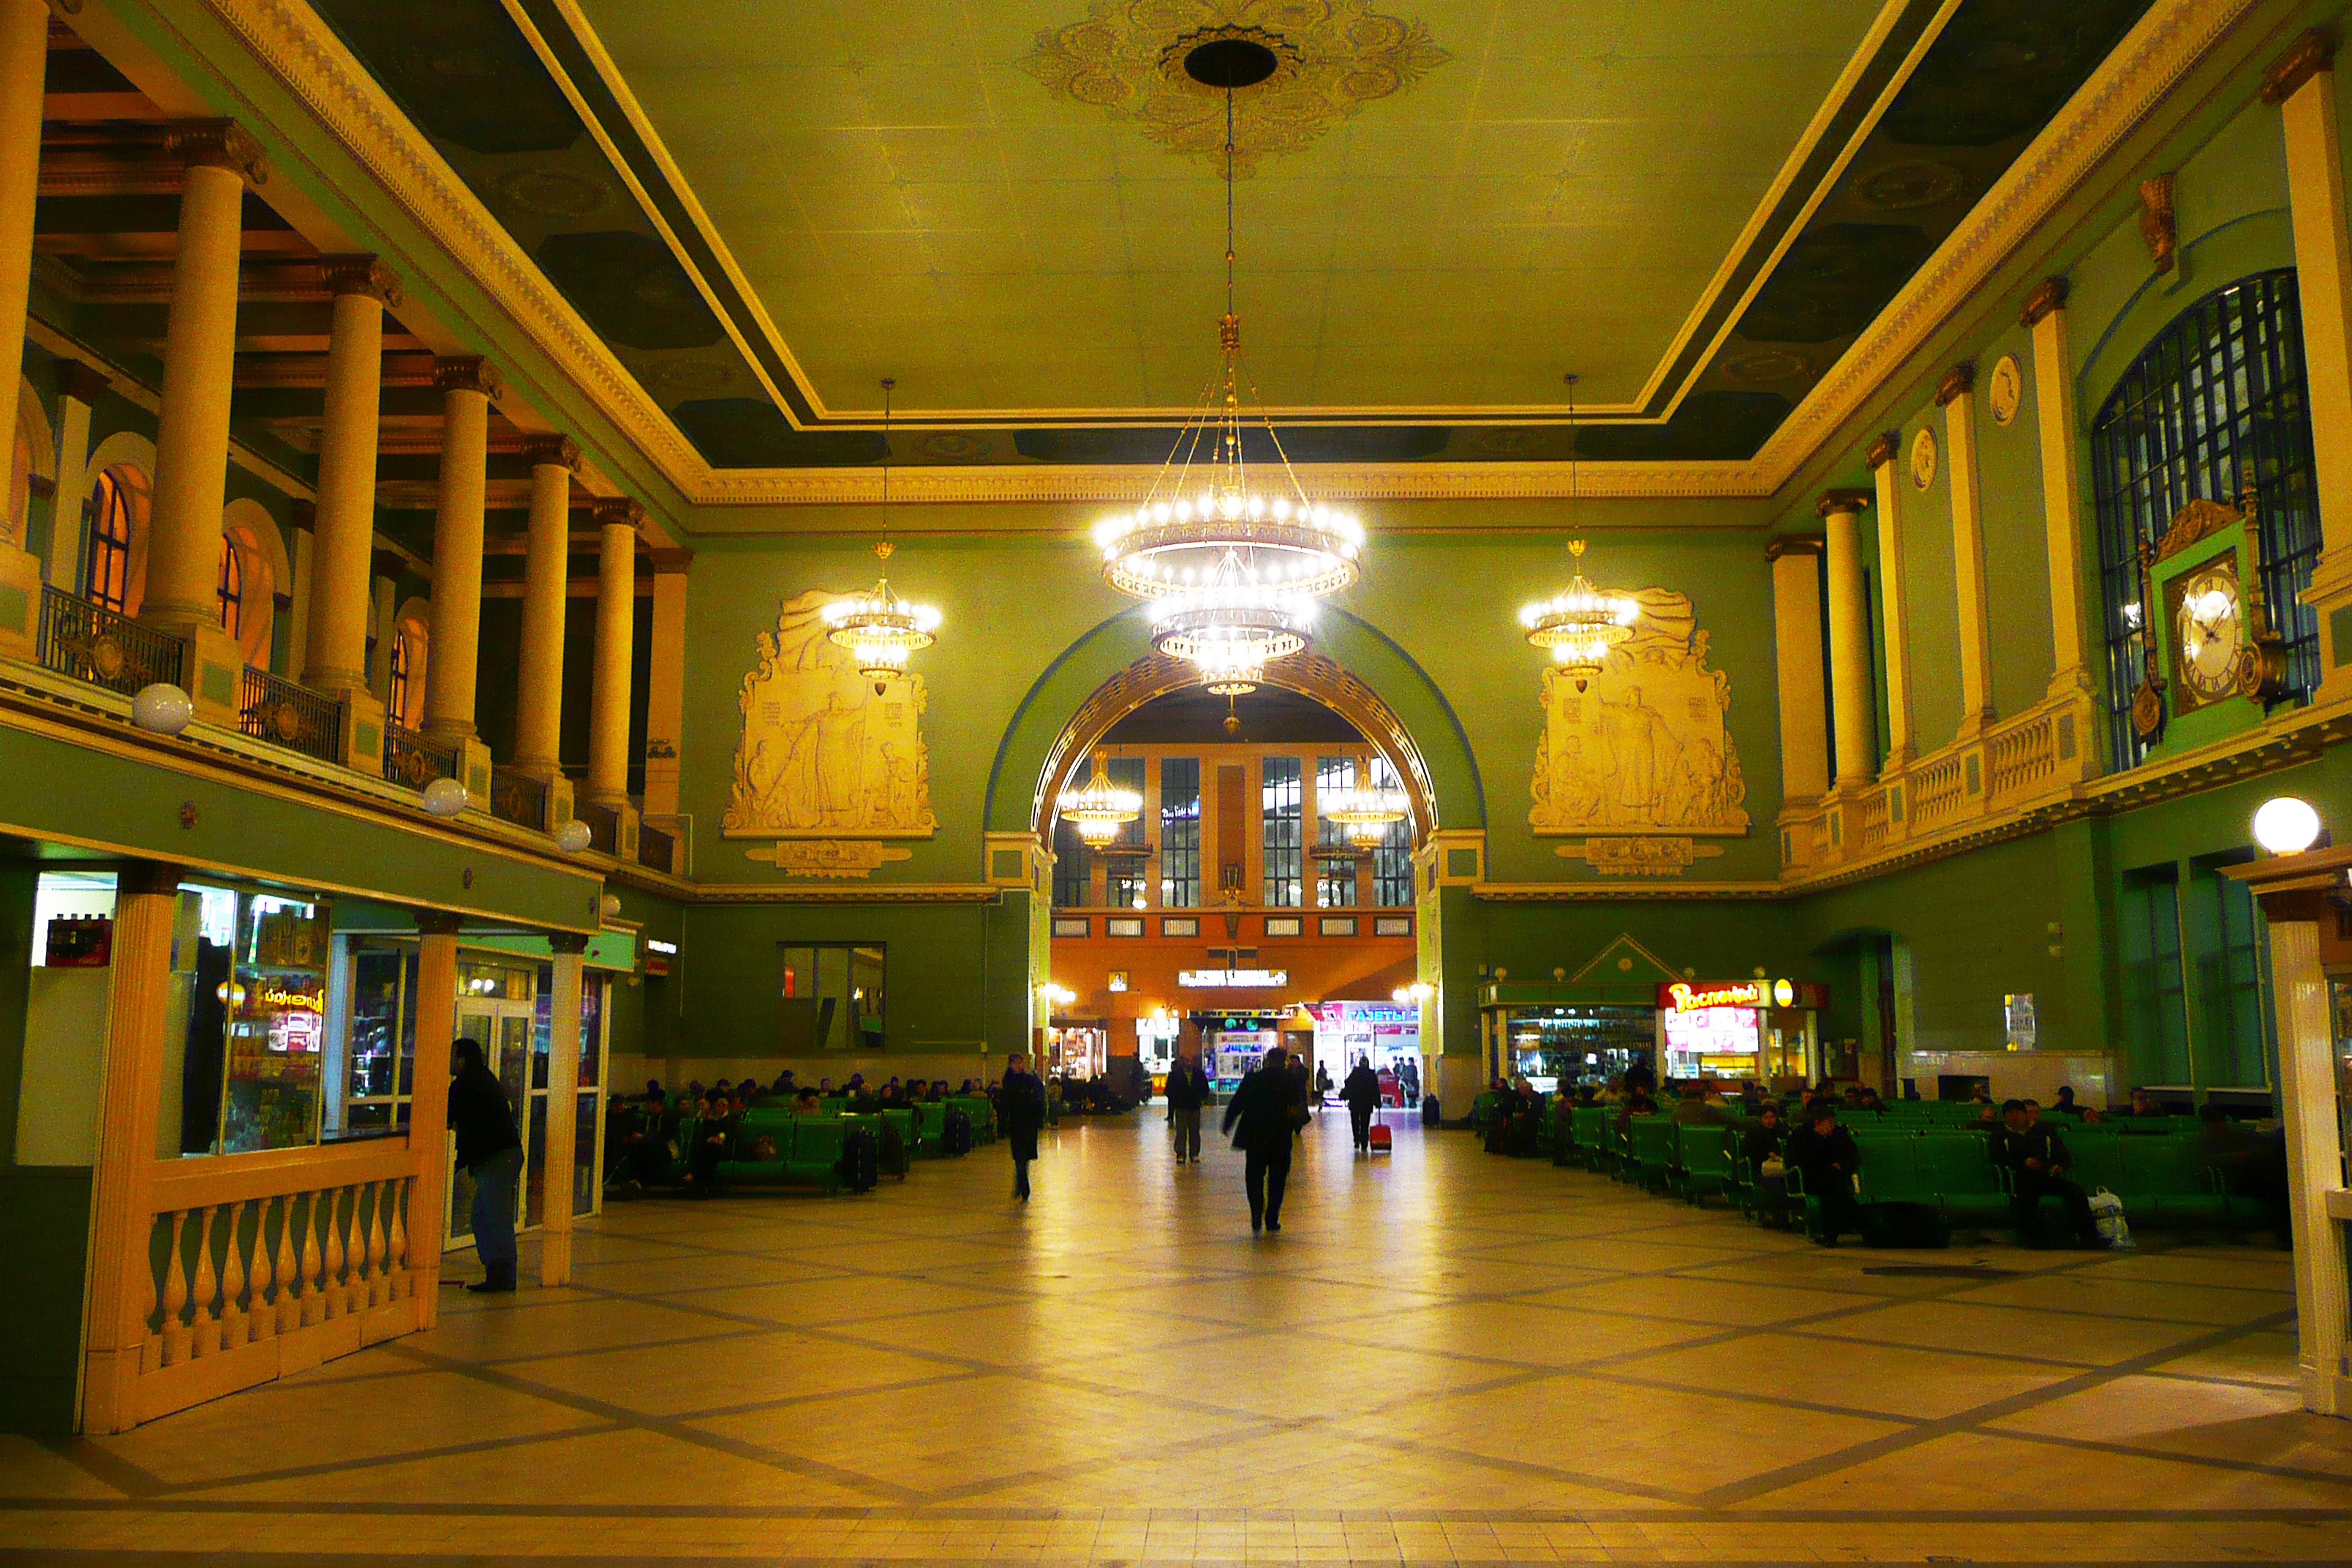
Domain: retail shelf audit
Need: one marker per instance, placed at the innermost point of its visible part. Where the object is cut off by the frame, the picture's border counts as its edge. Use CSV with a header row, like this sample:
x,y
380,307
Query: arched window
x,y
106,564
231,591
2215,404
398,705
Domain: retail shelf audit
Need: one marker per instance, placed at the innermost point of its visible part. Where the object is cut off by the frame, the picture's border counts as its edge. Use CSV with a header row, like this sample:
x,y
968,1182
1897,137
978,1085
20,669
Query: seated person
x,y
714,1131
2036,1160
1760,1144
967,1091
654,1090
1988,1116
1825,1153
1867,1100
805,1103
785,1087
2248,1161
2064,1104
2142,1104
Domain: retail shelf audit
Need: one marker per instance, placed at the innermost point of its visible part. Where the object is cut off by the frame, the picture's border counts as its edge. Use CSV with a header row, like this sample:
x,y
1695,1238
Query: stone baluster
x,y
373,1272
396,1241
331,1283
233,1332
314,1301
262,1318
203,1328
150,1321
175,1295
290,1283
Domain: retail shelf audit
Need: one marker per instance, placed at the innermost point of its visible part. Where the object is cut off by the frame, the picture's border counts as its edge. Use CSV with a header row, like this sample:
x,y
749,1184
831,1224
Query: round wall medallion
x,y
951,447
550,193
2005,391
1919,183
1766,365
1923,458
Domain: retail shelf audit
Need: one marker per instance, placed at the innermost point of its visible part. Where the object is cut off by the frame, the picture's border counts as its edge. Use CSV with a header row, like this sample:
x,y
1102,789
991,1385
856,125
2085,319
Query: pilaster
x,y
1955,393
562,1109
617,522
1894,615
1796,562
428,1132
666,682
2314,1144
1853,718
79,386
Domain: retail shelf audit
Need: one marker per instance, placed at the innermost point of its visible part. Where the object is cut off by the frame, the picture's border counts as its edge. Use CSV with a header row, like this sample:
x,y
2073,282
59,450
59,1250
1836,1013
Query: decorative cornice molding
x,y
1881,450
620,512
361,275
1847,501
1795,544
469,375
1957,381
851,893
551,452
217,144
2048,296
2309,55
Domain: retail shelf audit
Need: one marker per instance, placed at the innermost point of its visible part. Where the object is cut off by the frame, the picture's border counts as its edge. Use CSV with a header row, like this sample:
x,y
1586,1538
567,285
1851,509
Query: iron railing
x,y
517,797
275,710
87,642
604,825
414,760
655,850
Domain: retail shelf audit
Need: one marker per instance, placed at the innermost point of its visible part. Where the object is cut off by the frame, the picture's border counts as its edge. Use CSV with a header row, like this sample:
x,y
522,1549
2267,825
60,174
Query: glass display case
x,y
275,999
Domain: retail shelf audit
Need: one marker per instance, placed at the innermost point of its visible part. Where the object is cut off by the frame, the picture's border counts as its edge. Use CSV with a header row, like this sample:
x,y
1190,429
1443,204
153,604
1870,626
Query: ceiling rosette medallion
x,y
1332,57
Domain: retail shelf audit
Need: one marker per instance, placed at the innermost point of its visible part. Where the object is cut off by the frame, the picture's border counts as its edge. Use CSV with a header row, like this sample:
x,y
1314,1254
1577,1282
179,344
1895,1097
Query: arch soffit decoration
x,y
2243,248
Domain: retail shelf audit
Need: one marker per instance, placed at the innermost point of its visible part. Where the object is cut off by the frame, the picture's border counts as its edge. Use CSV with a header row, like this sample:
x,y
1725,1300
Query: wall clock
x,y
1923,458
2208,616
2006,390
2212,639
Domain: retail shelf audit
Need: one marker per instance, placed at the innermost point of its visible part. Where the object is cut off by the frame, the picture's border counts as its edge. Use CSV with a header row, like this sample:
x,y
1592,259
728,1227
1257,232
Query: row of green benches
x,y
2161,1179
774,1147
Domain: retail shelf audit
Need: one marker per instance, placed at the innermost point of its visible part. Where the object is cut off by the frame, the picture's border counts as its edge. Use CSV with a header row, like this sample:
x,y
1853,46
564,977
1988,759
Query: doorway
x,y
497,1005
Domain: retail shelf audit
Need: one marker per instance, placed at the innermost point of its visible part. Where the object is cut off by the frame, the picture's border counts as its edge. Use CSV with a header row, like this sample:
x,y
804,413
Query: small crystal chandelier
x,y
1366,814
1580,625
1101,808
877,627
1233,568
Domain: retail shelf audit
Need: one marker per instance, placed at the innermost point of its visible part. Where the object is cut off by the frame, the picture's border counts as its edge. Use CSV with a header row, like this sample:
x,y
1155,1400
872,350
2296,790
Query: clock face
x,y
2209,625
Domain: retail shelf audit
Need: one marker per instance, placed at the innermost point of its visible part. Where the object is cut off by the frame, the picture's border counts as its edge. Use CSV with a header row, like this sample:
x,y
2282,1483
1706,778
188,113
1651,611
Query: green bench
x,y
1589,1126
2161,1181
1649,1154
803,1150
1702,1161
982,1114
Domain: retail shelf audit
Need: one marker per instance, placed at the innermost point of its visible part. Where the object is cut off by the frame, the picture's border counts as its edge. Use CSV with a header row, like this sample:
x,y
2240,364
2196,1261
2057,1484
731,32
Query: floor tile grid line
x,y
2217,1380
1969,1352
105,1466
408,1456
56,1557
1968,1420
786,1401
2142,1451
1075,1469
758,1454
678,1342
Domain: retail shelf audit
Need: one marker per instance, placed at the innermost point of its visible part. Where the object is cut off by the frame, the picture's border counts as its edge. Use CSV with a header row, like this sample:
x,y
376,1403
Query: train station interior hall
x,y
1128,781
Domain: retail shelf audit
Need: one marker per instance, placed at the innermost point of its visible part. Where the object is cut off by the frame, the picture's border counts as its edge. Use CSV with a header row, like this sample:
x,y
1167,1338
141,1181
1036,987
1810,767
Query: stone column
x,y
1854,716
546,577
2315,1146
1893,620
1956,393
428,1109
24,63
2302,84
79,386
335,659
562,1109
1796,562
2061,492
666,682
138,992
454,643
616,602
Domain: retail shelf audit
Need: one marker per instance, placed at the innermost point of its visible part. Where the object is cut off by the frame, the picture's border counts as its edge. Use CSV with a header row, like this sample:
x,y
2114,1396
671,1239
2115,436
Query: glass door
x,y
495,1007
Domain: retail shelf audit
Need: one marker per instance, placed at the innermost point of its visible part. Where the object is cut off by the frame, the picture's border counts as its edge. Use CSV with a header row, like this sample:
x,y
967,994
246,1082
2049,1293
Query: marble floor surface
x,y
1445,1357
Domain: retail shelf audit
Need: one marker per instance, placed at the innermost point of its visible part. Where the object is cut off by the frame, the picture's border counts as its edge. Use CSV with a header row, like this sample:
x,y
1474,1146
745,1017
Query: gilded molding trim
x,y
1957,381
217,144
2309,55
1796,544
620,512
469,375
361,275
1881,450
552,452
2049,297
1854,502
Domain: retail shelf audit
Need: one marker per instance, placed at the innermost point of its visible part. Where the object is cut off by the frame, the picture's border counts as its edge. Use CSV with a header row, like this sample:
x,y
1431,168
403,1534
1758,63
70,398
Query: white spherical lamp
x,y
610,904
574,836
445,797
162,709
2287,825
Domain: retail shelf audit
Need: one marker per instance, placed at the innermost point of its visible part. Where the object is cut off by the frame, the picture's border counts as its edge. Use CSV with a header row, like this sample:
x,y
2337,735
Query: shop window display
x,y
271,999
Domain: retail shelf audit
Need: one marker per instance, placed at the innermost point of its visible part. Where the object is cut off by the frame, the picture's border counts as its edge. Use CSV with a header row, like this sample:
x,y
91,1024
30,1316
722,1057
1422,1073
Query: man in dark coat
x,y
1824,1152
490,1151
1188,1090
1267,1111
2036,1159
1362,1094
1020,1106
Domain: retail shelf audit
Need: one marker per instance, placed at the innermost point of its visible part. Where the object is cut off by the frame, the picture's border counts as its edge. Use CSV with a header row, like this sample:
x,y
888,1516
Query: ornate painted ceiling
x,y
1015,209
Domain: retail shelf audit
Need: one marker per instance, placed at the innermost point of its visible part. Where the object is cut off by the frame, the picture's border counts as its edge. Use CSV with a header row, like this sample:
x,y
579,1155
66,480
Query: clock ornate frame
x,y
2261,663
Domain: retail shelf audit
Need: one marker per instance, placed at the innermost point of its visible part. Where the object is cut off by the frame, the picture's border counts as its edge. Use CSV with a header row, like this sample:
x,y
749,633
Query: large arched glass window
x,y
106,564
231,591
398,706
2216,403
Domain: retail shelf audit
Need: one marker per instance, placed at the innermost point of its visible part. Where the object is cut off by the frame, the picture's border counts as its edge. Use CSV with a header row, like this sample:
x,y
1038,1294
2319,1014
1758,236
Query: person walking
x,y
1267,1109
490,1152
1188,1090
1362,1094
1022,1111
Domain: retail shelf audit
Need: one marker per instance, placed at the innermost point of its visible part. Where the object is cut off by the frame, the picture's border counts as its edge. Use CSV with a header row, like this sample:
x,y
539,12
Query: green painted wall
x,y
2016,550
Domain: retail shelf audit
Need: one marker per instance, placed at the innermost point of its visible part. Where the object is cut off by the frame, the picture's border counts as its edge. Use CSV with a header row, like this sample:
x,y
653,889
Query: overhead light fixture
x,y
1100,808
1580,624
1365,813
877,627
1231,563
2285,825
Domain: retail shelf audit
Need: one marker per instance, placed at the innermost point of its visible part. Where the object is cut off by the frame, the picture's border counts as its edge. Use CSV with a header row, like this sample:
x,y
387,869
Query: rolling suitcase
x,y
1382,1141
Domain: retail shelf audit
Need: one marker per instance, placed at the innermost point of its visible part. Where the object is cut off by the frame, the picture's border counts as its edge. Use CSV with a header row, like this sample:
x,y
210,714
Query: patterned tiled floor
x,y
1444,1358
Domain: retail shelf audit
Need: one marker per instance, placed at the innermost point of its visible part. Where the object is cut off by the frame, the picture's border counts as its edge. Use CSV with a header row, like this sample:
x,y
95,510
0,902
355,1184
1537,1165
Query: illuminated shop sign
x,y
666,948
1231,979
1684,996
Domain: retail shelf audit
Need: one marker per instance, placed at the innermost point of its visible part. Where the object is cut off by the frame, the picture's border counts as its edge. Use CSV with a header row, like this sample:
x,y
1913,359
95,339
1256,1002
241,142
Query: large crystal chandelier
x,y
877,627
1580,624
1231,563
1365,813
1100,808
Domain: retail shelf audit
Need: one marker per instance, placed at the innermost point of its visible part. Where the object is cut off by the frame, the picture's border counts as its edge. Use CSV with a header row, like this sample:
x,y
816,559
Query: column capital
x,y
2048,298
2305,58
567,941
469,376
439,923
148,877
1847,501
217,144
80,382
1957,381
667,562
1882,449
1795,544
620,512
361,275
552,452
